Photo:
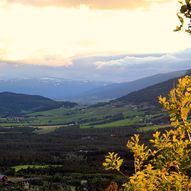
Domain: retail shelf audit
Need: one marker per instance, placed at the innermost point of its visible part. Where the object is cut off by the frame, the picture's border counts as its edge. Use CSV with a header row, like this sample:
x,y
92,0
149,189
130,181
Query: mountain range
x,y
150,94
81,91
54,88
117,90
16,103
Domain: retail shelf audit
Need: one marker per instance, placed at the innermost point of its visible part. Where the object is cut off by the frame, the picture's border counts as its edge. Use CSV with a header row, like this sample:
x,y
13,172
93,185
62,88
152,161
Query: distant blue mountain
x,y
149,95
54,88
81,91
116,90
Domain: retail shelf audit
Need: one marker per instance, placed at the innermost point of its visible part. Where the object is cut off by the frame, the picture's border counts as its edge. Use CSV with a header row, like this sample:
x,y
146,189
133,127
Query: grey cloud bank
x,y
117,68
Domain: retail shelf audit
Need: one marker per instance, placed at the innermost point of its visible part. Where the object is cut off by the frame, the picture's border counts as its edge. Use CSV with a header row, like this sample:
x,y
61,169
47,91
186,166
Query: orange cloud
x,y
95,4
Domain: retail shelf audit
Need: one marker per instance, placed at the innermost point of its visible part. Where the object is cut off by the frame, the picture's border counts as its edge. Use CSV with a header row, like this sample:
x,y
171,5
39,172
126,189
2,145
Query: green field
x,y
23,167
119,123
85,116
104,116
152,128
76,114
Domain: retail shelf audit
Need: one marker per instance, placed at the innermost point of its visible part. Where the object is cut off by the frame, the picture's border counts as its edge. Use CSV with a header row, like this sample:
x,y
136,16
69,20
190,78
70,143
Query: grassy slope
x,y
86,117
113,114
118,123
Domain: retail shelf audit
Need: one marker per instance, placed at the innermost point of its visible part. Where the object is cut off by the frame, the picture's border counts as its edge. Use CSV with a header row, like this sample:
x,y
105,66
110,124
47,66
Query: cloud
x,y
96,4
117,68
137,61
132,67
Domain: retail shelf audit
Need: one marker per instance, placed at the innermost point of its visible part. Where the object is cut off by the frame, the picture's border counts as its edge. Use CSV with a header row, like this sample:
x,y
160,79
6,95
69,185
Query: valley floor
x,y
64,156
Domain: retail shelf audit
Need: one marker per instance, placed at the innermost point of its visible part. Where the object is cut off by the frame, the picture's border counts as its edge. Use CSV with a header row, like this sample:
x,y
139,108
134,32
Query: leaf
x,y
180,18
183,9
180,2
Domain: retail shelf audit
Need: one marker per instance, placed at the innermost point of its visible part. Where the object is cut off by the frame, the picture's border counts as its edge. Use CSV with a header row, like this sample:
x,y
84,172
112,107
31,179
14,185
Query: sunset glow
x,y
54,34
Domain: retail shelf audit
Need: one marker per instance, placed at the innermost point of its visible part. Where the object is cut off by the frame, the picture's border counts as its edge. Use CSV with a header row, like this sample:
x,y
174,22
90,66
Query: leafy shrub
x,y
165,166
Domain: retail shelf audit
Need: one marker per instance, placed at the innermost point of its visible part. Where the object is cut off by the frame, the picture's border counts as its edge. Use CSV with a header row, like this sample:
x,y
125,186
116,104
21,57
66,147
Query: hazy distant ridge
x,y
113,91
150,94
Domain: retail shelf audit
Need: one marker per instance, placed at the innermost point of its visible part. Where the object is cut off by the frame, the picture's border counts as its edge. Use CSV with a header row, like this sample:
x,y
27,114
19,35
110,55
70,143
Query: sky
x,y
60,32
116,68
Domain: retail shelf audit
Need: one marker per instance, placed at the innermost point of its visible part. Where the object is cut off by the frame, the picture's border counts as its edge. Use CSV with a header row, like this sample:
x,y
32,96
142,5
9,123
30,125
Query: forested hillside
x,y
15,104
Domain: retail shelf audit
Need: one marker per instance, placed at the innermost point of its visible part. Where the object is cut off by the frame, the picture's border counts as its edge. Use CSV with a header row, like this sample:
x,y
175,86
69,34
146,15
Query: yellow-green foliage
x,y
112,162
184,15
165,166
